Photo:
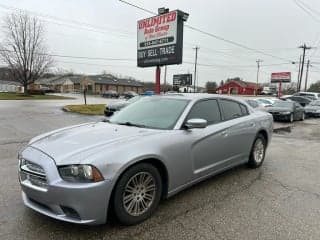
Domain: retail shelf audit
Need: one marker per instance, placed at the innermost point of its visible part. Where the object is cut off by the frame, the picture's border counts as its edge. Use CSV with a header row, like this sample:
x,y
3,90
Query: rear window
x,y
232,109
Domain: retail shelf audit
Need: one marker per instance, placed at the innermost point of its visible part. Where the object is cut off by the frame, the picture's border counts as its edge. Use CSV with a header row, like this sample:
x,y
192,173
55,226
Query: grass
x,y
21,96
90,109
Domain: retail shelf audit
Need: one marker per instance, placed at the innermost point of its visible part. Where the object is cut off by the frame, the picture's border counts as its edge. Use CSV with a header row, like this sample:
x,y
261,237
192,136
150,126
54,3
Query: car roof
x,y
199,96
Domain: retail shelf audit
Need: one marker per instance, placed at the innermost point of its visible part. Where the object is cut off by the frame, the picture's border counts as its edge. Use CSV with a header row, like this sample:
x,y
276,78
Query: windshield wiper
x,y
131,124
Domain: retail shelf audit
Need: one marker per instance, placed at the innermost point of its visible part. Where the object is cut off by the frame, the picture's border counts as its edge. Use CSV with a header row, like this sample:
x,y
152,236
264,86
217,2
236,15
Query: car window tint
x,y
244,109
207,109
231,109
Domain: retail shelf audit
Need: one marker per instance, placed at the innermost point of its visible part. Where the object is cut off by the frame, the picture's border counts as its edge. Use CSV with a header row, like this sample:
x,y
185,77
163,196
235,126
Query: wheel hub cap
x,y
139,193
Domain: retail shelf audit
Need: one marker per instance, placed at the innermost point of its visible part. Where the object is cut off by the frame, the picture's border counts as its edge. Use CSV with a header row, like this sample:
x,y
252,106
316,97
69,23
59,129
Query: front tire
x,y
291,118
258,152
137,194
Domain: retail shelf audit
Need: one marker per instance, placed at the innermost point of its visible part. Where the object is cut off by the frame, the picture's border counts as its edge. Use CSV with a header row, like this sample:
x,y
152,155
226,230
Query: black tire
x,y
291,118
253,162
122,215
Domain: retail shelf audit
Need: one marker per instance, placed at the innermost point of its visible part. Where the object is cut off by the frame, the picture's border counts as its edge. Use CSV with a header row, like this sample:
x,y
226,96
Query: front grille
x,y
32,174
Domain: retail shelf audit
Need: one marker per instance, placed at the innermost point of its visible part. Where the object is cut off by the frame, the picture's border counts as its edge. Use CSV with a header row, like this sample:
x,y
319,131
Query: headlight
x,y
80,173
285,113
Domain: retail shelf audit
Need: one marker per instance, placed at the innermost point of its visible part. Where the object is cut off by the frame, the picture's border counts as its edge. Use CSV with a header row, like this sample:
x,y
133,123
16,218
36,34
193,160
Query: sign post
x,y
160,41
280,77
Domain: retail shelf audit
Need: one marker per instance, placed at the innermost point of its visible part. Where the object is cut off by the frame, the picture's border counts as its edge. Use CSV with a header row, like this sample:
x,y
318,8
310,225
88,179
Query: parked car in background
x,y
148,93
110,94
313,109
114,107
314,95
266,102
129,94
303,101
255,104
287,111
152,149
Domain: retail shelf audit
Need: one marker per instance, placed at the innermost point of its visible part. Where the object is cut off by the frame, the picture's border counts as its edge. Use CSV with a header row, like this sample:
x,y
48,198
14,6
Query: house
x,y
239,87
95,84
10,86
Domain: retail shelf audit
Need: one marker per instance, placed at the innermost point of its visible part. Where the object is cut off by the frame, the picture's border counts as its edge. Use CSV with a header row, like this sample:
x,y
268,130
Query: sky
x,y
107,29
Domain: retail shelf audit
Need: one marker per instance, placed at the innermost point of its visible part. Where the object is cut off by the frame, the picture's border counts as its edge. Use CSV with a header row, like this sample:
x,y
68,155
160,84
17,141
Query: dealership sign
x,y
160,40
182,80
280,77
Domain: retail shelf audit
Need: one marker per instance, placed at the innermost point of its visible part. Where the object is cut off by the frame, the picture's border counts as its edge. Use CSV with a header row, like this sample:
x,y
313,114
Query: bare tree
x,y
23,48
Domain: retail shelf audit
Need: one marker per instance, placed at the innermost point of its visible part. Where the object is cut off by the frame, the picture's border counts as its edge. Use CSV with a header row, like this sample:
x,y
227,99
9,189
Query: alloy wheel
x,y
258,151
139,193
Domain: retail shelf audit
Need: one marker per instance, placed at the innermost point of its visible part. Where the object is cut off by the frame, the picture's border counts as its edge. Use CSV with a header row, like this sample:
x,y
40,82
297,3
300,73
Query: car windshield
x,y
151,112
264,101
134,99
282,104
315,103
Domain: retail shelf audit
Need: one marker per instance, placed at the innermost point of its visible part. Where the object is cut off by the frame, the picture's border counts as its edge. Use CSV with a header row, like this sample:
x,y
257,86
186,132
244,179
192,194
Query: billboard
x,y
160,40
280,77
182,80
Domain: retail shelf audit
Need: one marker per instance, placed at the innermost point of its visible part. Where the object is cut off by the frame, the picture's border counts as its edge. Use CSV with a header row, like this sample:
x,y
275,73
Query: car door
x,y
207,149
241,129
298,111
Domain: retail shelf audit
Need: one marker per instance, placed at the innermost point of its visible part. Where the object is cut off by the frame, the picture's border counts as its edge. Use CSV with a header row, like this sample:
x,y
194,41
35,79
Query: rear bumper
x,y
312,114
81,203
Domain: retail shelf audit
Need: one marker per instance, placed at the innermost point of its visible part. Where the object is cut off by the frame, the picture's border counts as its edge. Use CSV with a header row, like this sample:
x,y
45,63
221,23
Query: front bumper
x,y
281,117
82,203
313,114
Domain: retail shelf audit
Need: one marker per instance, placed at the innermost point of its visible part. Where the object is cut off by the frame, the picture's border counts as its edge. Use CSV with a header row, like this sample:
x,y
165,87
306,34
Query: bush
x,y
36,92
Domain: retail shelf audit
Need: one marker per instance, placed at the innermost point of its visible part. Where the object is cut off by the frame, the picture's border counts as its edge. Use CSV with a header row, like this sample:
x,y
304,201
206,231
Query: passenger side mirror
x,y
196,123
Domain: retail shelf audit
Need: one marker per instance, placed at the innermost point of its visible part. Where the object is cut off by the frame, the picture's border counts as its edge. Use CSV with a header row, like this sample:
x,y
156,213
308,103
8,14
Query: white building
x,y
10,86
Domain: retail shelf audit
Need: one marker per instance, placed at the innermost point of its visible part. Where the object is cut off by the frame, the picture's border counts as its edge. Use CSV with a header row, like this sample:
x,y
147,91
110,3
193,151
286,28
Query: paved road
x,y
281,200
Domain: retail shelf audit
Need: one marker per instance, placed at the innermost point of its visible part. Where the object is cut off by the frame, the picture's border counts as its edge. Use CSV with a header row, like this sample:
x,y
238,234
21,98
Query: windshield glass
x,y
315,103
134,99
151,112
264,101
283,104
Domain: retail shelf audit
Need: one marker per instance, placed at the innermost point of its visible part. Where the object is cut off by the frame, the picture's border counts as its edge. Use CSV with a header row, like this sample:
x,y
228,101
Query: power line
x,y
212,35
306,11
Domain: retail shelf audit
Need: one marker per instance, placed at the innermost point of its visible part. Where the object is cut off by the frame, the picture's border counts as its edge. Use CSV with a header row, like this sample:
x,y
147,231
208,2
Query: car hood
x,y
278,109
117,105
79,142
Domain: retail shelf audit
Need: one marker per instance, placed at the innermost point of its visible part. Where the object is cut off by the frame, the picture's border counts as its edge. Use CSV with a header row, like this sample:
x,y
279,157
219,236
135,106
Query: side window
x,y
244,109
230,109
207,109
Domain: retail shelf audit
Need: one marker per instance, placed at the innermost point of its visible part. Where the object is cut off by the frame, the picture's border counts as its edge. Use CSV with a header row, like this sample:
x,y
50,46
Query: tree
x,y
211,87
221,83
23,48
314,87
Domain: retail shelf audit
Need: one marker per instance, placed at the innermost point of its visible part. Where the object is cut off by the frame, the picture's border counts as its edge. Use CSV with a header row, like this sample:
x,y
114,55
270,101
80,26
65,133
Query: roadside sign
x,y
280,77
160,40
182,80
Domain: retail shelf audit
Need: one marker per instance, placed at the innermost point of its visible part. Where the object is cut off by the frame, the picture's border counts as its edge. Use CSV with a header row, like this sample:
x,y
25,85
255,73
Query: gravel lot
x,y
280,200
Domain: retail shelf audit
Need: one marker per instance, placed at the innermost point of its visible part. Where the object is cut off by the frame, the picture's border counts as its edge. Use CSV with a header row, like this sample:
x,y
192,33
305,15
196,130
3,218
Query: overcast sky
x,y
107,29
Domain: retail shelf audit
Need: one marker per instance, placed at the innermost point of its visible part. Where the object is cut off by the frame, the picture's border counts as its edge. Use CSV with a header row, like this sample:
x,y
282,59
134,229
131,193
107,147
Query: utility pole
x,y
165,78
195,69
307,72
304,48
298,80
258,70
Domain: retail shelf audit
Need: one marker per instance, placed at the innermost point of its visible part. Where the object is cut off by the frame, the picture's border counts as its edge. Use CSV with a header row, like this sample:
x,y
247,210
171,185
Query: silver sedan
x,y
150,150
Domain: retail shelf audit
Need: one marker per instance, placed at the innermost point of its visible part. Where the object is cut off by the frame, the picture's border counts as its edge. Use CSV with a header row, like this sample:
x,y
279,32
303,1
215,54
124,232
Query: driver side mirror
x,y
196,123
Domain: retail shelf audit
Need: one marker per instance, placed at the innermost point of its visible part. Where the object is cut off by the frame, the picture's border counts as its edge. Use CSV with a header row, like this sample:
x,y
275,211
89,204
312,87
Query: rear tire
x,y
137,194
258,152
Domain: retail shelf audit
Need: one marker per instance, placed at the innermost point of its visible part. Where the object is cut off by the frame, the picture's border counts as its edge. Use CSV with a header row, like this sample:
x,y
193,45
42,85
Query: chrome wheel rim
x,y
139,193
303,116
291,118
258,151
